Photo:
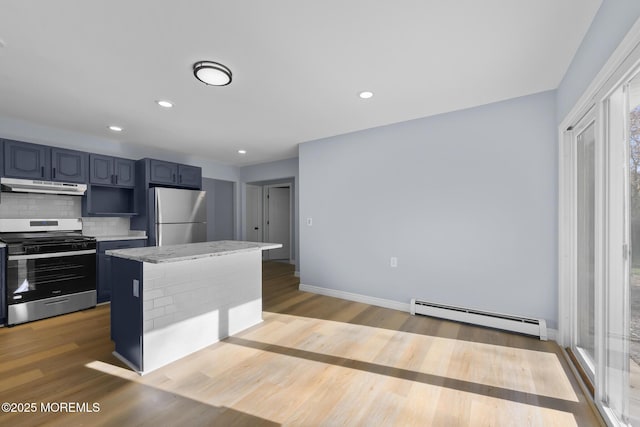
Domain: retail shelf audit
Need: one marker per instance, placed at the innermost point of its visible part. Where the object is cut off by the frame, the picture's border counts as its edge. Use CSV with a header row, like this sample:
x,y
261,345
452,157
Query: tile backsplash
x,y
105,226
33,205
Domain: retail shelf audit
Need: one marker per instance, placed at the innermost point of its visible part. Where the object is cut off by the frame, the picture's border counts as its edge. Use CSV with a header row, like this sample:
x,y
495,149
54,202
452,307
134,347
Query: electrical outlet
x,y
393,262
309,222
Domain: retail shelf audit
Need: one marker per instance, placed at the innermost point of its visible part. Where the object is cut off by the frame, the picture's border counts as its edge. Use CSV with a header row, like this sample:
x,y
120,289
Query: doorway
x,y
277,220
269,213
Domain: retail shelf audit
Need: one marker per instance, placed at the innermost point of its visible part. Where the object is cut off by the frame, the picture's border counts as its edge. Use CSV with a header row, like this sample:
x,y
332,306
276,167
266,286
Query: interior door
x,y
278,221
254,214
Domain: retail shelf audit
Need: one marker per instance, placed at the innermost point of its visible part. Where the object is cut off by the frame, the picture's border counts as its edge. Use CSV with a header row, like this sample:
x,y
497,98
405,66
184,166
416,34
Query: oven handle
x,y
50,255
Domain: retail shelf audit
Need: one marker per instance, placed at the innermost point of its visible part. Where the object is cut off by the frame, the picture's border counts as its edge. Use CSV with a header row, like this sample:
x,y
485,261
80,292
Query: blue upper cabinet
x,y
189,176
112,171
25,160
125,172
34,161
101,169
172,174
69,165
161,172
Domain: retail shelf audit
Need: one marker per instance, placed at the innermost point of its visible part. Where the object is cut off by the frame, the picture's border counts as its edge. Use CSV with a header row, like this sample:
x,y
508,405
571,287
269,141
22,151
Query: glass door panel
x,y
633,296
585,247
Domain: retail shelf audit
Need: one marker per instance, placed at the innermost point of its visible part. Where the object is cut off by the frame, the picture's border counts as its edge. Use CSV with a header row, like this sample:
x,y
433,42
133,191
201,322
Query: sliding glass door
x,y
632,127
584,339
599,247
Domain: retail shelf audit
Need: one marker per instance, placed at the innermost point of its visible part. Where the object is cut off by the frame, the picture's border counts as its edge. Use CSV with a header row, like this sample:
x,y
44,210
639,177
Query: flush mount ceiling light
x,y
365,95
242,151
165,104
212,73
115,128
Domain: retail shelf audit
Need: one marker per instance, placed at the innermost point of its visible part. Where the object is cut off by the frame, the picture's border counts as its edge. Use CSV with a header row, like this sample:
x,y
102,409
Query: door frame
x,y
568,240
610,198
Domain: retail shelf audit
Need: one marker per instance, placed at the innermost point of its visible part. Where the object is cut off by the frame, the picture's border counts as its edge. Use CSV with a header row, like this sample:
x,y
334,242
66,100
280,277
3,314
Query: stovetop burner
x,y
46,242
42,237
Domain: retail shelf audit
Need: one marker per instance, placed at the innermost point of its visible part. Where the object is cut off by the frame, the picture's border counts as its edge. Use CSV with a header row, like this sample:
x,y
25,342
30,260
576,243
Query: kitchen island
x,y
170,301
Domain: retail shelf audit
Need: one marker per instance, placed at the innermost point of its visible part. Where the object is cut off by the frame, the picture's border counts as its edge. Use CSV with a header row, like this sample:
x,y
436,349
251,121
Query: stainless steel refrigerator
x,y
180,216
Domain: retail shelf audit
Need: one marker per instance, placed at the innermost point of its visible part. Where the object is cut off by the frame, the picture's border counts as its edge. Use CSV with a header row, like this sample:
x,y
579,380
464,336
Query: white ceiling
x,y
297,65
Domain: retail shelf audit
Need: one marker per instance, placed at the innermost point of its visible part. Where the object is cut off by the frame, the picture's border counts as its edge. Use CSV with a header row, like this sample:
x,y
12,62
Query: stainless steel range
x,y
51,268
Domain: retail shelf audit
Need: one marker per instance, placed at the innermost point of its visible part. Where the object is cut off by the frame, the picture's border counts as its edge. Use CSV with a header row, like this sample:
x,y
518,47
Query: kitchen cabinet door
x,y
112,171
69,166
189,176
3,291
125,172
103,286
26,160
104,279
1,157
163,172
101,169
126,310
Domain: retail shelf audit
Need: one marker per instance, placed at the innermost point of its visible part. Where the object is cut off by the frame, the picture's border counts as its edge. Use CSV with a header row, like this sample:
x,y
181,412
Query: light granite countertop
x,y
120,237
175,253
3,245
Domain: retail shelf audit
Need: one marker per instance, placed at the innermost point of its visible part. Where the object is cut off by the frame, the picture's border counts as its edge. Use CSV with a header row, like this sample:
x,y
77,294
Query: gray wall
x,y
612,22
467,201
220,209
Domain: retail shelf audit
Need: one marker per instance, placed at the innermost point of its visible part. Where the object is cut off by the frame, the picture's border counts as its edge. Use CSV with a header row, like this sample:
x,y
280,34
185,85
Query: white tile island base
x,y
163,311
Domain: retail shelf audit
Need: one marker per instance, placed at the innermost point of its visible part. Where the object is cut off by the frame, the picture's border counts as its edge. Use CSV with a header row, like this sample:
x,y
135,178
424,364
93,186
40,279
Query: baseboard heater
x,y
507,322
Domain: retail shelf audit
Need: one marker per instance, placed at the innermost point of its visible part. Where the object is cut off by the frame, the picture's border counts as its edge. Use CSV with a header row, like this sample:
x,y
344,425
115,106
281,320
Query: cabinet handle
x,y
41,171
113,180
116,178
174,177
54,172
180,179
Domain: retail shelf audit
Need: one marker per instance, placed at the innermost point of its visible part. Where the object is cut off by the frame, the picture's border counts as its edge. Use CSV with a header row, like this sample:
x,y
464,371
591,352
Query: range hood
x,y
45,187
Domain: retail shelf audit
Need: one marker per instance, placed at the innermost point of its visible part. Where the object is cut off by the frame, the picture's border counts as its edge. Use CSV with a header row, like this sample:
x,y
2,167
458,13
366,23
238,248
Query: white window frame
x,y
610,237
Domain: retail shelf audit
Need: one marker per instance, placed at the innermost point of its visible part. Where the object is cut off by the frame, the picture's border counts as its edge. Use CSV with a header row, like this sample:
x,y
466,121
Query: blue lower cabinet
x,y
126,310
3,286
103,270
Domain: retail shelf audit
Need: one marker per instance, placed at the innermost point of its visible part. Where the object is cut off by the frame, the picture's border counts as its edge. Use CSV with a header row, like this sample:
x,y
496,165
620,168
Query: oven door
x,y
37,276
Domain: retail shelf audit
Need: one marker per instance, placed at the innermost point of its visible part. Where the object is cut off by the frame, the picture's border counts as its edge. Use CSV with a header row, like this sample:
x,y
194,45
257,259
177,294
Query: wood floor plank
x,y
313,361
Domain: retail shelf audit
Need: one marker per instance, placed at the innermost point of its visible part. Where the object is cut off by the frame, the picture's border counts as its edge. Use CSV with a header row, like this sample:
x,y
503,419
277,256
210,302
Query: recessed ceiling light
x,y
165,104
115,128
365,95
212,73
242,151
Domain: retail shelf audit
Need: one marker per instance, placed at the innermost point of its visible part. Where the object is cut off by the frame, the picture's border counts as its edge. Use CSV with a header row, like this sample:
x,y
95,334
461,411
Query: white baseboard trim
x,y
552,334
379,302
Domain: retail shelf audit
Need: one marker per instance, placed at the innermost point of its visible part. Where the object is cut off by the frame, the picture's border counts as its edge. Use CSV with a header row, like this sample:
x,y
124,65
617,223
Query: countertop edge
x,y
154,259
114,238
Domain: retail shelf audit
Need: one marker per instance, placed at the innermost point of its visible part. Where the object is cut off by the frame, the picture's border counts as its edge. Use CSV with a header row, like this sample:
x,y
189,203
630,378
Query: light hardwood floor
x,y
315,360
